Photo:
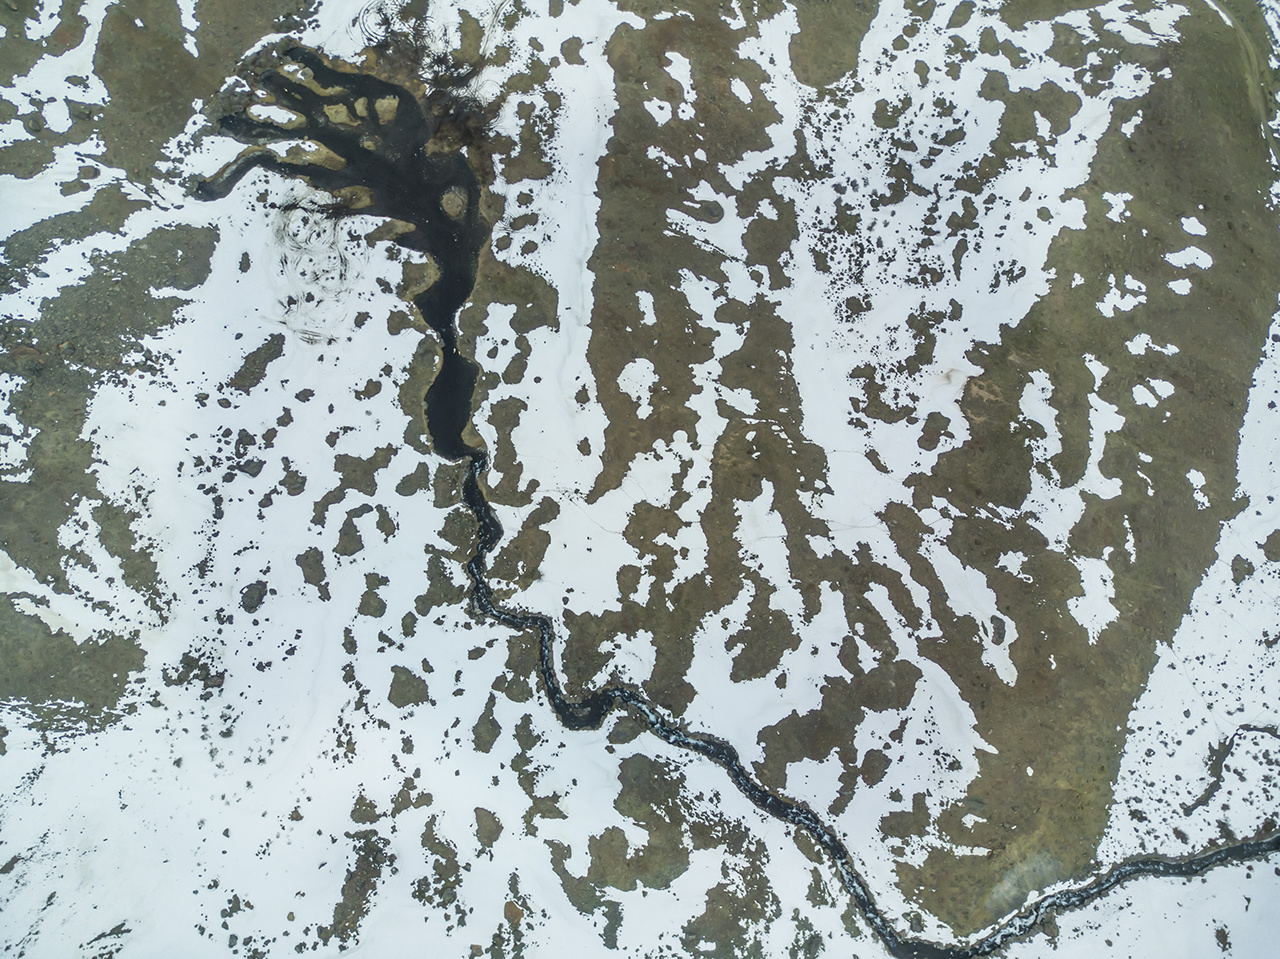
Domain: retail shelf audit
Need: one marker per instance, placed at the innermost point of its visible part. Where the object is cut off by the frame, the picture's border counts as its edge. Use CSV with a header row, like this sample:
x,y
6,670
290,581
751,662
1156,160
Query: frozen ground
x,y
888,390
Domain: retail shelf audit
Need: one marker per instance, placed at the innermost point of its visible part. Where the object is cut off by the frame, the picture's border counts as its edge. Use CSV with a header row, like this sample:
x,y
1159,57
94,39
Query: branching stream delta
x,y
384,140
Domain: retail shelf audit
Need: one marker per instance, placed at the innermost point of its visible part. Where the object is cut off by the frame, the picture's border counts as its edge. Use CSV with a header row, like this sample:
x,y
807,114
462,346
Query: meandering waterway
x,y
382,137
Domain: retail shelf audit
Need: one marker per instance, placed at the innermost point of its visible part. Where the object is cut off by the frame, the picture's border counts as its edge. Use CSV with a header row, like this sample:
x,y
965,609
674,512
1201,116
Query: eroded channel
x,y
387,153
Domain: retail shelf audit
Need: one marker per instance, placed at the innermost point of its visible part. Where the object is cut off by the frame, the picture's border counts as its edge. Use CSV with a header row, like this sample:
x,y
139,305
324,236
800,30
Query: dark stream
x,y
388,158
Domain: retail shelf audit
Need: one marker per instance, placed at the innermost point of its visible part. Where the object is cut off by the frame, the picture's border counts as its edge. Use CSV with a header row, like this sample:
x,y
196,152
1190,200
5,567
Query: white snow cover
x,y
249,792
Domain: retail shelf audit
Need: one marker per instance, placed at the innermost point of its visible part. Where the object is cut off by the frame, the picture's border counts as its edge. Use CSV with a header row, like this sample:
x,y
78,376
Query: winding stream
x,y
386,159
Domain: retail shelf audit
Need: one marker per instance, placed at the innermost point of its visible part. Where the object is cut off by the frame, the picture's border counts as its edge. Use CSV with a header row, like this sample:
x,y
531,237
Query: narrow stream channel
x,y
438,192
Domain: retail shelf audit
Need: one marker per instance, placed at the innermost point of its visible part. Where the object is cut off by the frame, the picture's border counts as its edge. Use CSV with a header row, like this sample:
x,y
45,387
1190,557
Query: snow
x,y
193,795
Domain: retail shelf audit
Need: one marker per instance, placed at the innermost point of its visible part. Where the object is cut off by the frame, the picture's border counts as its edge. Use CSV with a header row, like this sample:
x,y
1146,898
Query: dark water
x,y
407,183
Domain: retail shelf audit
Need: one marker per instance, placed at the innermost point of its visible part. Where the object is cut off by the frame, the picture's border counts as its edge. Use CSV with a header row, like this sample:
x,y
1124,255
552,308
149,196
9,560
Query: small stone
x,y
454,203
251,596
